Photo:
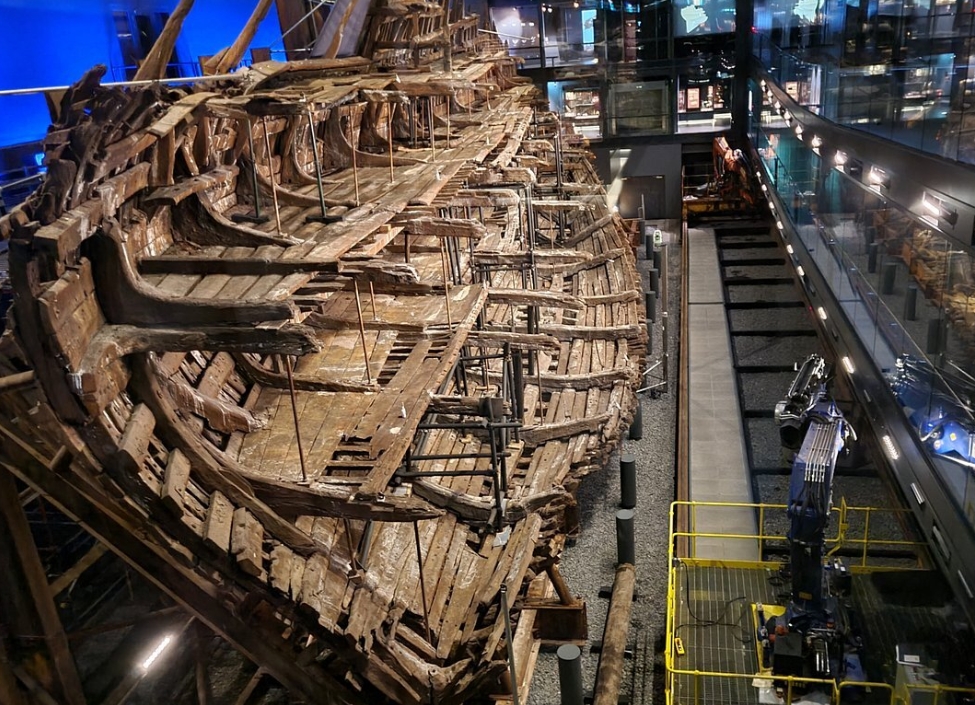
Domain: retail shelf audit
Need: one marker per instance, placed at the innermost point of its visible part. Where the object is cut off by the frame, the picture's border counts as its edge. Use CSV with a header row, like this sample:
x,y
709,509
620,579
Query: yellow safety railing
x,y
842,538
691,679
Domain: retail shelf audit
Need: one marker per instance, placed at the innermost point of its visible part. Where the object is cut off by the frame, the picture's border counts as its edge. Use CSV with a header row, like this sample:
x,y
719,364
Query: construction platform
x,y
712,655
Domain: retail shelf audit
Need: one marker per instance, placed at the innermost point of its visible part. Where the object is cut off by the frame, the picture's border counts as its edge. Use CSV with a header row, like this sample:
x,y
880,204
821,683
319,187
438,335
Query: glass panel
x,y
909,294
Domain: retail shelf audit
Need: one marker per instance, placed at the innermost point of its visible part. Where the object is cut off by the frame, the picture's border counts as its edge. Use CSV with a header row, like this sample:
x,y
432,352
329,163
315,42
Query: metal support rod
x,y
423,583
392,109
446,283
664,279
355,167
365,543
254,183
445,473
294,413
270,175
665,349
318,165
362,331
433,137
451,456
636,426
511,646
372,300
324,217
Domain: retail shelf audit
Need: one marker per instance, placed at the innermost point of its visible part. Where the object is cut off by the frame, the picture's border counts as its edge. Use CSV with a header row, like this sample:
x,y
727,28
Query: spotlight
x,y
878,178
848,365
800,271
821,312
817,142
779,225
799,131
764,188
156,652
937,208
790,249
890,448
839,159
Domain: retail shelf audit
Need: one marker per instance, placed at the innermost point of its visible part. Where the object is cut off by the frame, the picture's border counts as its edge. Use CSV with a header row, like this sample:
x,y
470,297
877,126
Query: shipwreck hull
x,y
338,442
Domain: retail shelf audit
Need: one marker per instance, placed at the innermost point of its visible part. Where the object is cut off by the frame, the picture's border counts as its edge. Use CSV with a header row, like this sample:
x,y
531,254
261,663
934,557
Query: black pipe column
x,y
744,11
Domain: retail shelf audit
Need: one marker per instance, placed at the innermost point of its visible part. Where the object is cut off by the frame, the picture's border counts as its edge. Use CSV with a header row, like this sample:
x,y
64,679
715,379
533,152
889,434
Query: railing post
x,y
866,538
761,532
788,693
697,687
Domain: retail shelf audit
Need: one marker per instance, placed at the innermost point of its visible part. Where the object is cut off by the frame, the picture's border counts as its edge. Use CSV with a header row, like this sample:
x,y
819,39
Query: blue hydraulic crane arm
x,y
810,501
810,424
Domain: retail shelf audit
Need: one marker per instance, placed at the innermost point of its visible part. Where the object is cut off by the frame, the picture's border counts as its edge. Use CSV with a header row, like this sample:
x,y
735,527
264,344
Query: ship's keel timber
x,y
325,357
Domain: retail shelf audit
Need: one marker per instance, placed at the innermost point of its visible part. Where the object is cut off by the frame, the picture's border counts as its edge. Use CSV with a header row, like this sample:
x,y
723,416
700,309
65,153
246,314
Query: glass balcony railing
x,y
904,286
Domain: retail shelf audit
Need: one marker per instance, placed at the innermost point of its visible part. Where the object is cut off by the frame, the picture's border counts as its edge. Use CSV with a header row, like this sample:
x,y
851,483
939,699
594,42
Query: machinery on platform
x,y
732,172
814,635
942,418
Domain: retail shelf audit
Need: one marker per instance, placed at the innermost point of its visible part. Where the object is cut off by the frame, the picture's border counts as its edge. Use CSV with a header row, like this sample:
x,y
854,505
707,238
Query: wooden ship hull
x,y
323,352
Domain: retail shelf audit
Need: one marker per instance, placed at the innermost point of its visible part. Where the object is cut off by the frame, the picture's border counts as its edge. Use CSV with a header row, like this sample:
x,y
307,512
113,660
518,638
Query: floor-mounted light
x,y
839,159
779,225
800,271
789,249
821,312
156,652
848,365
799,131
939,209
817,142
889,448
878,178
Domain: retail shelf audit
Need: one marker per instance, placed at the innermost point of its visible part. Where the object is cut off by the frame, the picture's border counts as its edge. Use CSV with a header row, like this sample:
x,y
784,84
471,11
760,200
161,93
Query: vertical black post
x,y
910,303
889,277
625,543
570,675
627,481
744,11
636,426
872,250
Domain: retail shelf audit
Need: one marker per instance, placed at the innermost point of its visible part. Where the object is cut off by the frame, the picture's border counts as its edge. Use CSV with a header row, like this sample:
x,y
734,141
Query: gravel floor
x,y
590,563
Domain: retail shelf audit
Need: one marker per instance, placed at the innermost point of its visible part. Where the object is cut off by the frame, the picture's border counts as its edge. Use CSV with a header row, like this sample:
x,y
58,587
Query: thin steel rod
x,y
254,182
362,332
113,84
299,22
270,175
392,109
446,283
355,168
318,164
294,413
511,646
372,300
423,583
446,473
433,137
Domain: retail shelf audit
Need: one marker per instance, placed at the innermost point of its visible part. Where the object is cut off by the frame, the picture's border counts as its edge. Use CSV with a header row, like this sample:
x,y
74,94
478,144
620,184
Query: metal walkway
x,y
717,459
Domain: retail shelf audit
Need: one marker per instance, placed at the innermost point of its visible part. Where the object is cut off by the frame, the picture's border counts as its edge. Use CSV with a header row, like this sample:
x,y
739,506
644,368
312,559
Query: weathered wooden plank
x,y
282,566
176,477
219,522
246,539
